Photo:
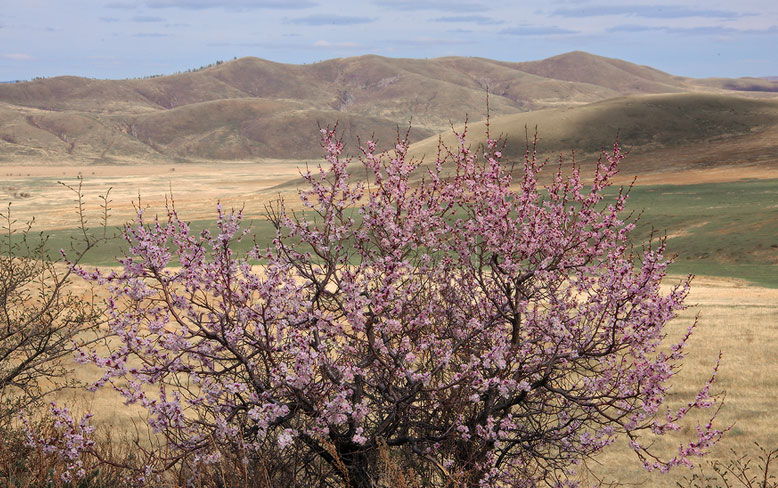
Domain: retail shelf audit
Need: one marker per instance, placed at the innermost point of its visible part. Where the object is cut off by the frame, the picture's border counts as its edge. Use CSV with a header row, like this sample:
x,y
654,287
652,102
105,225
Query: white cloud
x,y
321,43
231,4
18,57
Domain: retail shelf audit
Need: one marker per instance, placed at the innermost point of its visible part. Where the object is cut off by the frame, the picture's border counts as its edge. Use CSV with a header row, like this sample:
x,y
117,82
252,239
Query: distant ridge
x,y
250,108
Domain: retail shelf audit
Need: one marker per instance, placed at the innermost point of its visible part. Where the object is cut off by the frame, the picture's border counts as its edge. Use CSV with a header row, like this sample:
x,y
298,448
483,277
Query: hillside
x,y
664,133
252,109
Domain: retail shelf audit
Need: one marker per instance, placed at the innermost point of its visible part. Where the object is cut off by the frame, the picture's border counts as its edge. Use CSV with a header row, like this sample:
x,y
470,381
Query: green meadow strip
x,y
715,229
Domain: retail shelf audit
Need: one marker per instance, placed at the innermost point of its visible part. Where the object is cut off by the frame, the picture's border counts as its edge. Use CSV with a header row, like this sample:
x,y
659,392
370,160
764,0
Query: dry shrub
x,y
26,466
751,470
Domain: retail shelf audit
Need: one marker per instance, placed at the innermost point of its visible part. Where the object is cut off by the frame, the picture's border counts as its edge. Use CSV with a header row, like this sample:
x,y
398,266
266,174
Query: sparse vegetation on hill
x,y
620,76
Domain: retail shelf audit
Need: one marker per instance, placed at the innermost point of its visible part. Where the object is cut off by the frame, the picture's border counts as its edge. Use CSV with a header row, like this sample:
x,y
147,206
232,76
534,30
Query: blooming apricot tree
x,y
481,331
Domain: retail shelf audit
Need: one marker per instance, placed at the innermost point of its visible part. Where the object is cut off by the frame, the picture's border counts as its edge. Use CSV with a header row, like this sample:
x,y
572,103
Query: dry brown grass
x,y
195,187
251,108
672,138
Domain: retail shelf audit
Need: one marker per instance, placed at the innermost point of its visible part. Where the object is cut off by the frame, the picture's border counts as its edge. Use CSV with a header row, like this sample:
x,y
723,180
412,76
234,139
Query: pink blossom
x,y
464,318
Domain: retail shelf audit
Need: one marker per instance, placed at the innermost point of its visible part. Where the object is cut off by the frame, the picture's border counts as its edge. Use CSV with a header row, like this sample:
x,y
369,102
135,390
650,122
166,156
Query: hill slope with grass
x,y
250,108
665,133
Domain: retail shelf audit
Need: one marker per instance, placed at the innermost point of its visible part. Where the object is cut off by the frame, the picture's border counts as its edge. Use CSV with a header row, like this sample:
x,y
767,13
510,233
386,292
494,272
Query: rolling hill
x,y
664,132
251,109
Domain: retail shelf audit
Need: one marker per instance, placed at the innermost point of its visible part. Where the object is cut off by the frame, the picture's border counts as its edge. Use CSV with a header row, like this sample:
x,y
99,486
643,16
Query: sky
x,y
127,39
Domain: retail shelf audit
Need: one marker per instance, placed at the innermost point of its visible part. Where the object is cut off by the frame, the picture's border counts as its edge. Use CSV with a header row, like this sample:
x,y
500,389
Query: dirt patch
x,y
685,232
692,177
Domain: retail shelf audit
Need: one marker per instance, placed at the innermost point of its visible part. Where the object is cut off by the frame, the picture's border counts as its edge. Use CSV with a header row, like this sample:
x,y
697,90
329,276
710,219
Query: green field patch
x,y
717,229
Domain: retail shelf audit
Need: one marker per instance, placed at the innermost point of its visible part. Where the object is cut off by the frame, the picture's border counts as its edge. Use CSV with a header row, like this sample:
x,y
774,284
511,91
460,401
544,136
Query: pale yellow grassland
x,y
196,188
741,321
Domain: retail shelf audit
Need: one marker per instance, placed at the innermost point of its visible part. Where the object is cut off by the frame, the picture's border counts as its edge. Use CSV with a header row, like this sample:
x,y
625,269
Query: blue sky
x,y
123,38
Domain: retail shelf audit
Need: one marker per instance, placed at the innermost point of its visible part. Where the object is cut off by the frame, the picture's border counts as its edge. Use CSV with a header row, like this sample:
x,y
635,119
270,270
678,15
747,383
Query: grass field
x,y
741,322
716,229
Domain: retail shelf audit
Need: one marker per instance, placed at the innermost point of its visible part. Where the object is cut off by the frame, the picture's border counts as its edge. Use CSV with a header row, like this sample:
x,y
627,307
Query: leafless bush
x,y
42,318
